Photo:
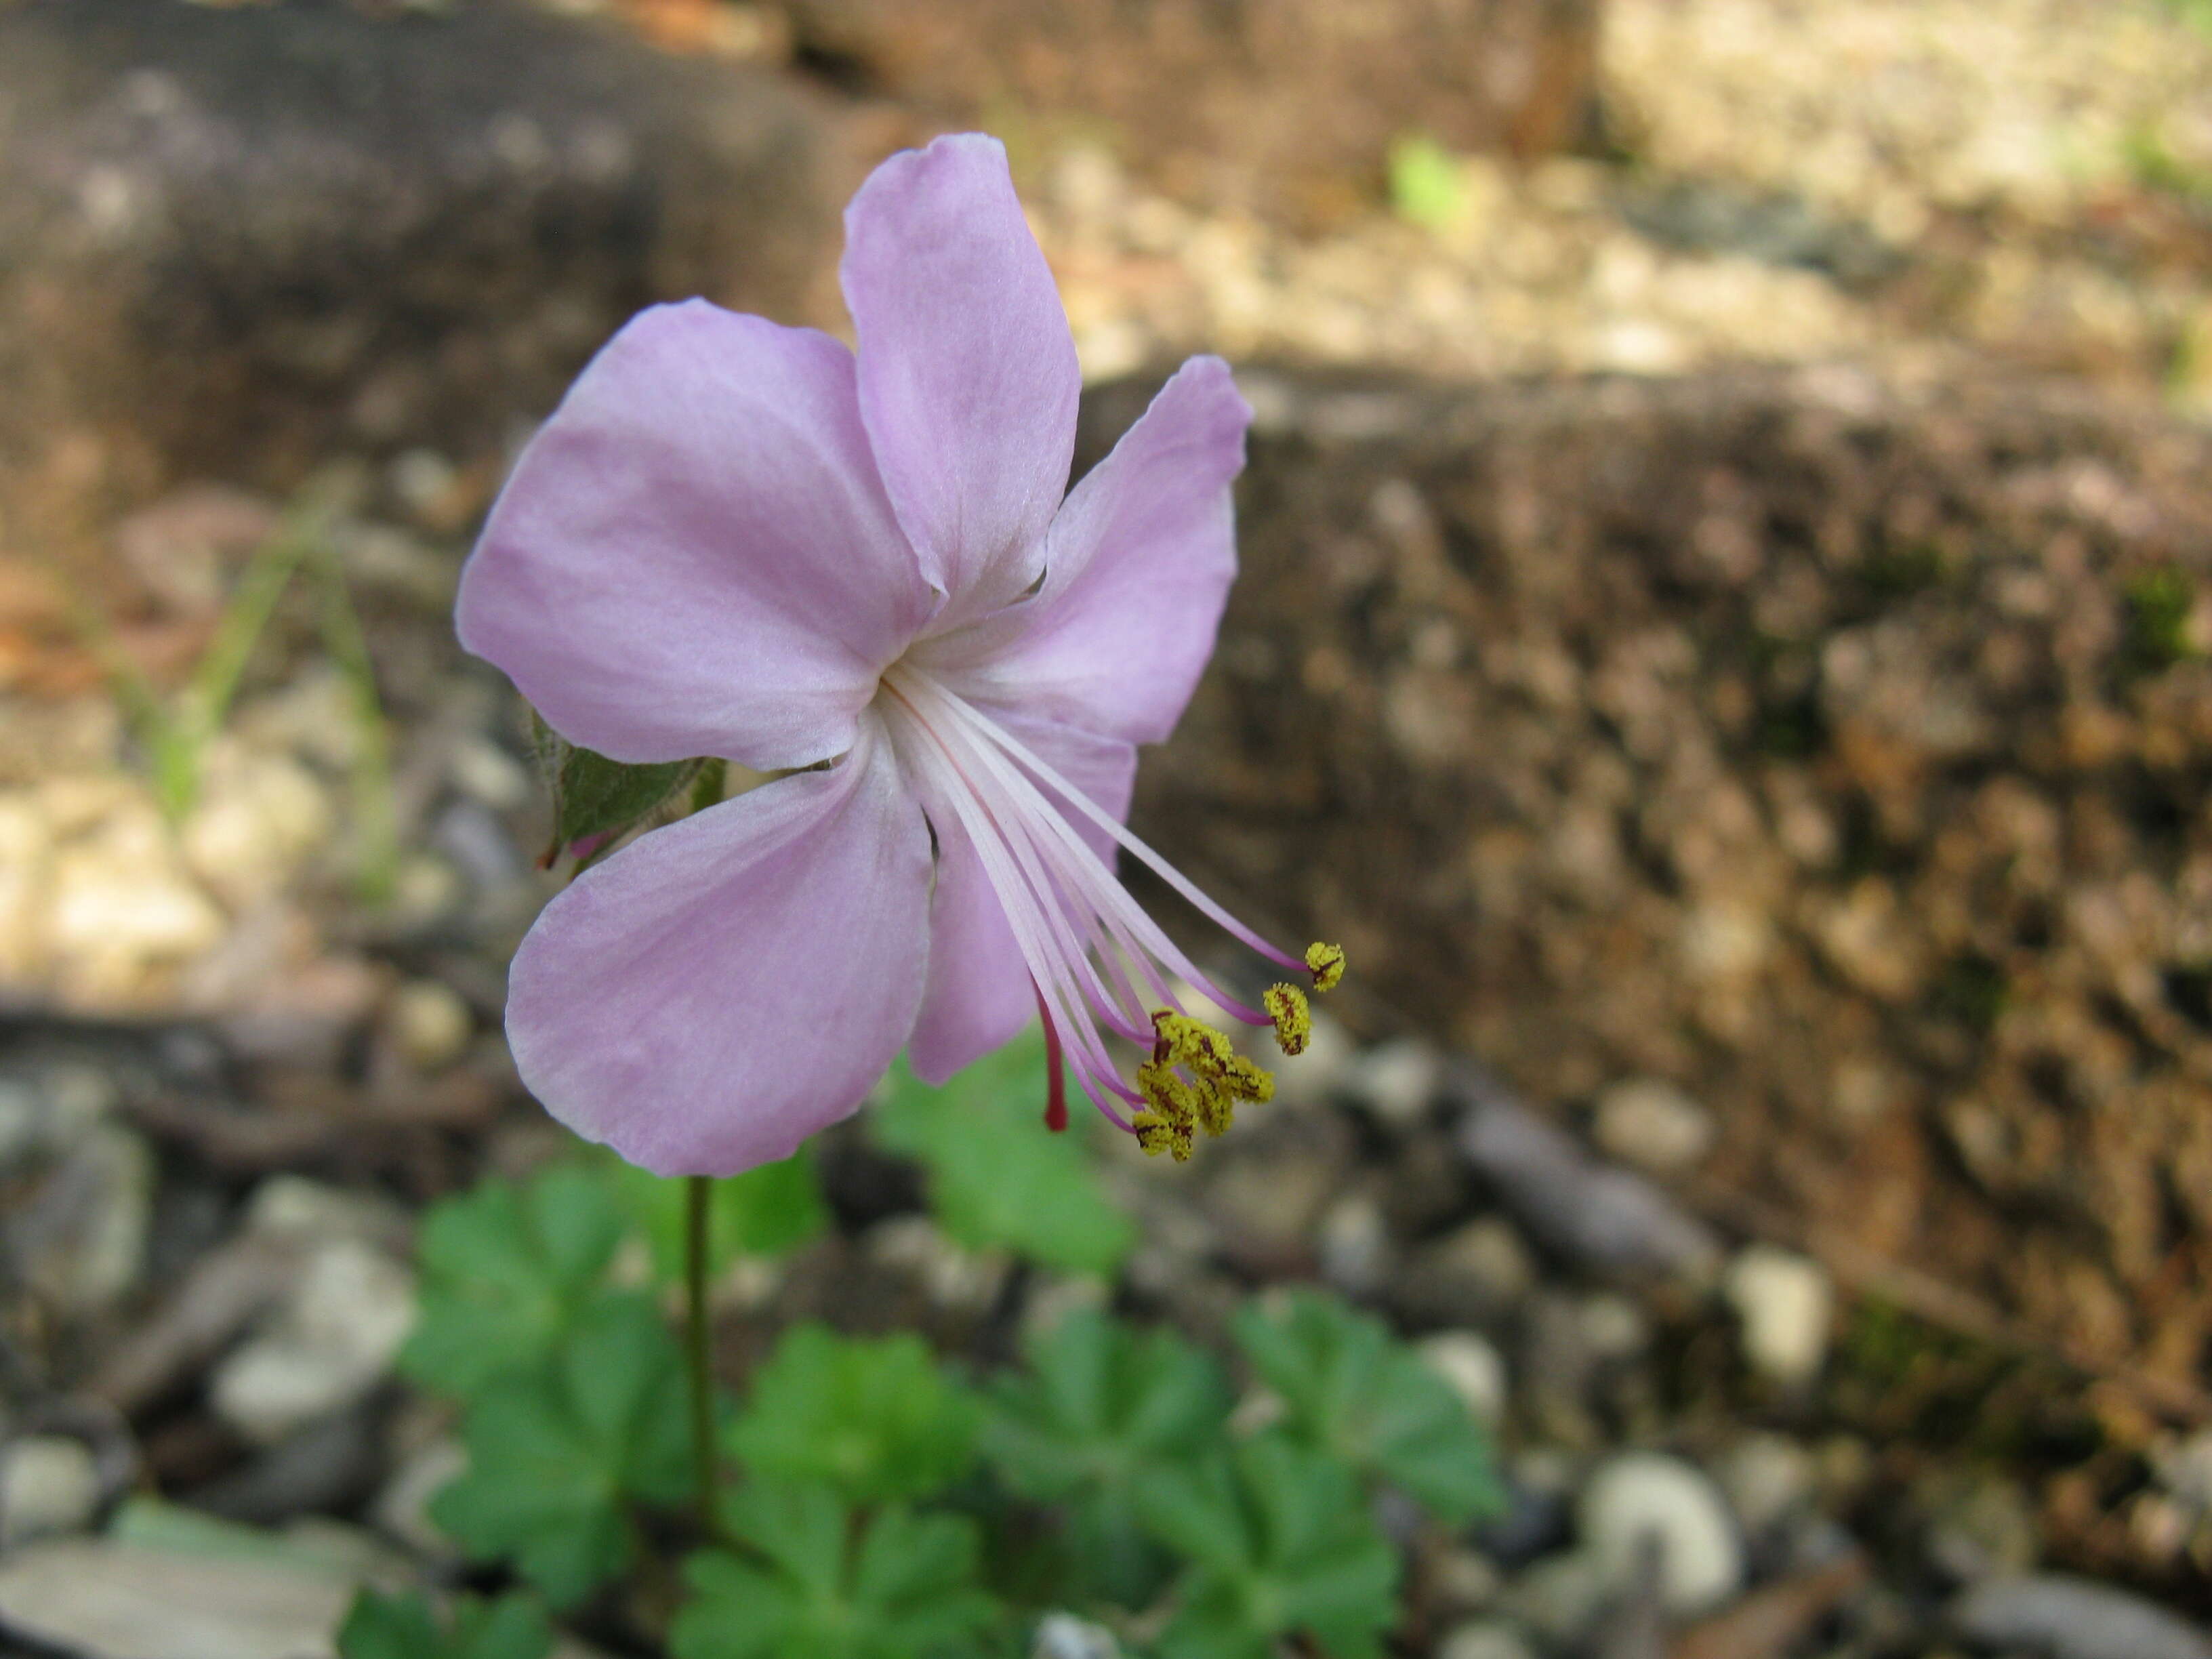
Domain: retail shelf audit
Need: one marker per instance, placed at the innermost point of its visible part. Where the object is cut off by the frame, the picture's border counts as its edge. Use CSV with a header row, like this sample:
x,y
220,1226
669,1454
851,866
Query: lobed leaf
x,y
874,1418
998,1179
559,1452
505,1272
379,1626
824,1585
1101,1410
1281,1544
1352,1389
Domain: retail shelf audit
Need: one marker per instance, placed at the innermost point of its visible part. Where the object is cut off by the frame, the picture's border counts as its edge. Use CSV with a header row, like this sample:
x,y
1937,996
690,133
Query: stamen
x,y
1085,939
1293,1016
1326,962
1055,1078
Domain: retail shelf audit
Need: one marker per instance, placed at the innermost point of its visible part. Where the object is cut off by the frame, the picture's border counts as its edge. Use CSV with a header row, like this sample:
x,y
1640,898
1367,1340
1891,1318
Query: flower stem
x,y
696,1191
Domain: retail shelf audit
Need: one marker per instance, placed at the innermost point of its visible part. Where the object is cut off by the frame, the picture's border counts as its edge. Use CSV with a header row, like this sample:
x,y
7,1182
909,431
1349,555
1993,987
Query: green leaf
x,y
875,1418
559,1452
1352,1390
379,1626
998,1178
505,1272
767,1211
594,797
1279,1542
1101,1410
825,1585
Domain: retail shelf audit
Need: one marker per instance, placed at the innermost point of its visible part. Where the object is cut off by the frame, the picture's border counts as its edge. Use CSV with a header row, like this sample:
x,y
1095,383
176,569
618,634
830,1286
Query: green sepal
x,y
595,799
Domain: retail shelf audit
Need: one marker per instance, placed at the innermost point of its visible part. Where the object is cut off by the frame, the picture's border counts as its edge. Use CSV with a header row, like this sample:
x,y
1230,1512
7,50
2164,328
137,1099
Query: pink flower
x,y
738,539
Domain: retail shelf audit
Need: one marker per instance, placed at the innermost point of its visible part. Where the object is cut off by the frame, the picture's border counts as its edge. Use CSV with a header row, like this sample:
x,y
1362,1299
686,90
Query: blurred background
x,y
1723,639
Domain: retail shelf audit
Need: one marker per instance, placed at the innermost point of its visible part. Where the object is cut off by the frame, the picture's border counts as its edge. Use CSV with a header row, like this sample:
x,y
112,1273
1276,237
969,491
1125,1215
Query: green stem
x,y
696,1191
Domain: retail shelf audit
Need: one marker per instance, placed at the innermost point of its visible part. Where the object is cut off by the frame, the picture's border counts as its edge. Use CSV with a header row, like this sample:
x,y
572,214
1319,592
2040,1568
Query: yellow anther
x,y
1326,962
1246,1081
1286,1005
1182,1041
1217,1106
1158,1134
1168,1095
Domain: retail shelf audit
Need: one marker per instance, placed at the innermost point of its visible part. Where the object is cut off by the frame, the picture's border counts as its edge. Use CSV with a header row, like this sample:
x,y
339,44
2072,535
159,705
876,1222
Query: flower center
x,y
1088,946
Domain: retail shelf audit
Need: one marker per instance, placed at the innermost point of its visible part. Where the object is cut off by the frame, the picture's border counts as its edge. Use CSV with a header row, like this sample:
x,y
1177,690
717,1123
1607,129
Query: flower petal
x,y
979,993
721,988
968,373
1139,564
695,555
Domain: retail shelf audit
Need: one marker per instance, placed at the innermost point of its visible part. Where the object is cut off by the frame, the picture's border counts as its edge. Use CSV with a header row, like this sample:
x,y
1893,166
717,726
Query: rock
x,y
1979,1526
1354,1244
257,818
1396,1081
2053,1616
1614,1328
1635,1496
125,913
1654,1125
1767,1478
2184,1467
1565,681
48,1484
1472,1275
1462,1580
1783,1303
1064,1636
80,1240
1560,1597
402,1508
110,1600
330,1463
332,1341
1470,1362
1603,1219
429,1023
244,235
1315,1077
1484,1639
295,1208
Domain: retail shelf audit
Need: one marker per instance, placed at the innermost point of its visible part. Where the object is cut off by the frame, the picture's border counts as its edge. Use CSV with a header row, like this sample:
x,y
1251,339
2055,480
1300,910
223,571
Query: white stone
x,y
1783,1303
1640,1501
1650,1123
48,1484
429,1023
1766,1476
25,851
1354,1244
1396,1081
107,1601
330,1344
1484,1639
401,1506
123,909
257,819
1471,1363
1063,1636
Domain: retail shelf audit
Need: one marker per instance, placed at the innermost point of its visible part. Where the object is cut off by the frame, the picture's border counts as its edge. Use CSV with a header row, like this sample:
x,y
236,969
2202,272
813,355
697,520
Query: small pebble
x,y
2055,1616
1064,1636
1485,1638
1471,1363
1783,1303
1767,1477
429,1023
48,1484
1639,1495
1354,1244
1654,1125
1396,1081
